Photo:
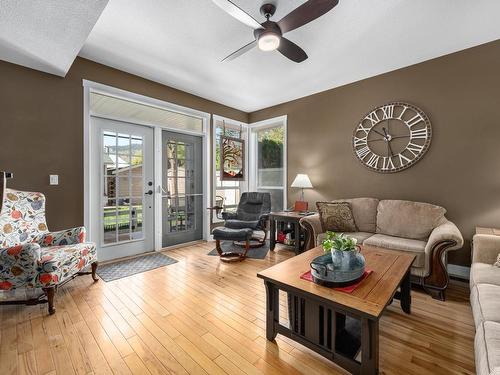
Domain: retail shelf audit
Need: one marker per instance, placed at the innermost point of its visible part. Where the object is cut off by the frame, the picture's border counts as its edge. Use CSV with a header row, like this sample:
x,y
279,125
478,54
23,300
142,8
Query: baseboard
x,y
459,272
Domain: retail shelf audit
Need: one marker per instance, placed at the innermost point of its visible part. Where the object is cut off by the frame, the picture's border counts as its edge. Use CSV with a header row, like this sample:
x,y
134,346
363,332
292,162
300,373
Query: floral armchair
x,y
33,257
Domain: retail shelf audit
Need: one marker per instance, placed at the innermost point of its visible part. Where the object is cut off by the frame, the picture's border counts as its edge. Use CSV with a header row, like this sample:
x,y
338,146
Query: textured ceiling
x,y
181,43
46,34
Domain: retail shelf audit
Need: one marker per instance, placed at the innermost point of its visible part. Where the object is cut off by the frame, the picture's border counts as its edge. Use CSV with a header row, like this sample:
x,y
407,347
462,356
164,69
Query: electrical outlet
x,y
54,179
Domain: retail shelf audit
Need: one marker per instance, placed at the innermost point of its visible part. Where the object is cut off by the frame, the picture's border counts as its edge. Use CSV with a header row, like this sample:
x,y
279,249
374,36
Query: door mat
x,y
255,253
129,267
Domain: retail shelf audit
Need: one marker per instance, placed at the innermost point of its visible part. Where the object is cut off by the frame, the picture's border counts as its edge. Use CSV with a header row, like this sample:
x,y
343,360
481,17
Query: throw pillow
x,y
336,217
497,263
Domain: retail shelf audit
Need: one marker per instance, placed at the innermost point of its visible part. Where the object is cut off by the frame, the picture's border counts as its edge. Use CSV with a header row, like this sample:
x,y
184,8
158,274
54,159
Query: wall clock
x,y
392,137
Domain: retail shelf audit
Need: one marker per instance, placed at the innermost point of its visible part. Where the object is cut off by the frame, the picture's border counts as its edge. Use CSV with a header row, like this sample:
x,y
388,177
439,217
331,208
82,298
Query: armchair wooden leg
x,y
94,270
50,292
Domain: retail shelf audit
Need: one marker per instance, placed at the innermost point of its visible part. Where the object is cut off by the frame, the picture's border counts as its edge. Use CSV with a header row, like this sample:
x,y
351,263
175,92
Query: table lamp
x,y
301,181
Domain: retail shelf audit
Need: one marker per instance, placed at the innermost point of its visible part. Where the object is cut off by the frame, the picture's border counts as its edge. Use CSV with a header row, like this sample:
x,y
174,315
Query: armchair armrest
x,y
18,265
485,248
313,227
64,237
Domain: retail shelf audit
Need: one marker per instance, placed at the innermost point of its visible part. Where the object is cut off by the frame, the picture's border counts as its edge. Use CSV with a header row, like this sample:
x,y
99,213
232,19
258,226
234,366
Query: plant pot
x,y
346,266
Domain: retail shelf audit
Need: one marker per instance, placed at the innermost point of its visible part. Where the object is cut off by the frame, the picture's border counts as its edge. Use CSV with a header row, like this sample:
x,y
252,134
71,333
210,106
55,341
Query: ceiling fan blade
x,y
238,13
305,13
291,50
241,51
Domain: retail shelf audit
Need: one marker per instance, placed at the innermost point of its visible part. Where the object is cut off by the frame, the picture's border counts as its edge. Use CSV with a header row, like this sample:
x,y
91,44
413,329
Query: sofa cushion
x,y
483,273
485,302
487,349
364,211
414,247
360,236
336,216
407,219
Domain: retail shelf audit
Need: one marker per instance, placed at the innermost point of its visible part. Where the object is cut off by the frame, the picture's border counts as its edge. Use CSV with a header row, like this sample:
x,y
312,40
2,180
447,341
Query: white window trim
x,y
260,125
90,86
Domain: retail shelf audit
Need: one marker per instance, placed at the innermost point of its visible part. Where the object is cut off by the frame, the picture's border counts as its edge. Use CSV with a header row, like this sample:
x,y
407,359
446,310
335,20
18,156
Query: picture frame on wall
x,y
232,158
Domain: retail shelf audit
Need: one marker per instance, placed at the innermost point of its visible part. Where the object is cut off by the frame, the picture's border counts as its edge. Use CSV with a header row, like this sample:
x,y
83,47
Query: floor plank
x,y
201,316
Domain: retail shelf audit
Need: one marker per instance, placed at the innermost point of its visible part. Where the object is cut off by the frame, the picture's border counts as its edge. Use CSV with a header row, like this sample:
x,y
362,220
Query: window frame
x,y
253,154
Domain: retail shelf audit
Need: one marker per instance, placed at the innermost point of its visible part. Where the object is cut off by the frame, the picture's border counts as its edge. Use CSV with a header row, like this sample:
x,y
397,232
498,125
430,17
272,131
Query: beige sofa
x,y
419,228
485,302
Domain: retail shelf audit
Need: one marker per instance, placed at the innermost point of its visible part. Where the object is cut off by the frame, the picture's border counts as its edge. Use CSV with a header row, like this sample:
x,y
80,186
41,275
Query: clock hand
x,y
385,132
389,148
377,139
379,133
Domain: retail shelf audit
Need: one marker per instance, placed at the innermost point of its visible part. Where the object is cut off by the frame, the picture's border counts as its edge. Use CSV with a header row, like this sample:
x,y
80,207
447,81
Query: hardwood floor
x,y
200,316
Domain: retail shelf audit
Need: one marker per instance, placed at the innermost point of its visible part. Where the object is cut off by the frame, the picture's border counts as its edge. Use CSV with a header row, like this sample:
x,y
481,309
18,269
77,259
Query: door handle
x,y
149,192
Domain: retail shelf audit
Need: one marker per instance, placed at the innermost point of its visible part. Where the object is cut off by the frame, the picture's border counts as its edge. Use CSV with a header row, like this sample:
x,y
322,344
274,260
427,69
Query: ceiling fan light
x,y
269,42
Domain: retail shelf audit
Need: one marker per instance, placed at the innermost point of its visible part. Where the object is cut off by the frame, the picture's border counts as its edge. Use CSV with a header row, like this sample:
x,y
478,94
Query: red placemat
x,y
346,289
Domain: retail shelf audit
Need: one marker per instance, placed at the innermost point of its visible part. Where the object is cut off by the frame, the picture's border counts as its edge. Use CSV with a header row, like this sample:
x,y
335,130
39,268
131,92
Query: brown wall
x,y
41,128
461,171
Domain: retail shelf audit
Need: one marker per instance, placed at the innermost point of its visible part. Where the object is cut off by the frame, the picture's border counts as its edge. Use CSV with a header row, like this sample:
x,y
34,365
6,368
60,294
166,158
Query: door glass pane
x,y
182,185
123,186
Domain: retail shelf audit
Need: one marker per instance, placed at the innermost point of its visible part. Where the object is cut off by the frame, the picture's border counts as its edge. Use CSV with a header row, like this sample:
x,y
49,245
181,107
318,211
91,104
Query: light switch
x,y
54,179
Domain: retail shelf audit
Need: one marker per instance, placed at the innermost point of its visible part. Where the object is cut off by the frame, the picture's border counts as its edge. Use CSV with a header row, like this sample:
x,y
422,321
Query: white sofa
x,y
485,302
419,228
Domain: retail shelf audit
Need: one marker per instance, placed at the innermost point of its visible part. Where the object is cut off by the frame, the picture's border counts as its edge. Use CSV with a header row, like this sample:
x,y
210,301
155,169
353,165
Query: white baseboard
x,y
460,272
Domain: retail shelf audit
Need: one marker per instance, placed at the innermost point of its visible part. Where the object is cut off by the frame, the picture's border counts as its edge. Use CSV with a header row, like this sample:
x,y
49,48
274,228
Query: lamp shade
x,y
302,181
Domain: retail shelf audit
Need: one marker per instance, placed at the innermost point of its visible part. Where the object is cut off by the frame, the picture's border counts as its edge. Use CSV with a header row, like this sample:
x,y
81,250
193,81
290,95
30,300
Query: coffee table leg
x,y
406,293
272,310
272,237
369,347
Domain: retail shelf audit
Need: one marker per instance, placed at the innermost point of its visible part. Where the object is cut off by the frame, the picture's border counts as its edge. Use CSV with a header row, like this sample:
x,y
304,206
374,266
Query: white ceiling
x,y
46,34
181,43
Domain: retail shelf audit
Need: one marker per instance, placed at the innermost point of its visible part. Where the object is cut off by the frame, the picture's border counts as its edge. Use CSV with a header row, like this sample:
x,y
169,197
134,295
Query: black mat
x,y
255,253
129,267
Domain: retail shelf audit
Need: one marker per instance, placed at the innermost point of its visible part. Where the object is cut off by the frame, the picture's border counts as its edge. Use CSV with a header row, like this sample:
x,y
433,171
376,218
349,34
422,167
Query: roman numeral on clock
x,y
373,118
362,152
403,159
418,134
373,161
387,164
414,148
414,120
361,128
388,112
360,141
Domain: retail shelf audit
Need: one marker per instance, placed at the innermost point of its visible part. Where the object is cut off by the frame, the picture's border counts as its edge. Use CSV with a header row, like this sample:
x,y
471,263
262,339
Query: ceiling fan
x,y
269,34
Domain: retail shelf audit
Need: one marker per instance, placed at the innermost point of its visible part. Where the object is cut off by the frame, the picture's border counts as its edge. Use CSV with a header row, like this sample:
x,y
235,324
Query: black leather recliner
x,y
252,212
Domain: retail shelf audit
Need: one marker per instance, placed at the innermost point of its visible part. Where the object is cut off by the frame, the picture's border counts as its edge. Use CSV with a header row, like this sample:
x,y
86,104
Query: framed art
x,y
232,159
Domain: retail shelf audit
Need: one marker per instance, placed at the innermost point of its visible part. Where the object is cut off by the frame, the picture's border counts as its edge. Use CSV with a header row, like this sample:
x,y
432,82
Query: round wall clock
x,y
392,137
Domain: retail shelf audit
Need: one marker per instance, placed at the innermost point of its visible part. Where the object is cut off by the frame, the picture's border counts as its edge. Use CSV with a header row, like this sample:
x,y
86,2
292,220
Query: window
x,y
268,160
227,193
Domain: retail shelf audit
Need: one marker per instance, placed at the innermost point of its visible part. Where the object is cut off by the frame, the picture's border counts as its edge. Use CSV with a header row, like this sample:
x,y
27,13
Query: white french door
x,y
122,188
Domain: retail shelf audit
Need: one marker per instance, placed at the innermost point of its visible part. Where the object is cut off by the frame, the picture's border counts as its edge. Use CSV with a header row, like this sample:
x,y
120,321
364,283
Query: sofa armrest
x,y
446,232
18,265
71,236
313,227
485,248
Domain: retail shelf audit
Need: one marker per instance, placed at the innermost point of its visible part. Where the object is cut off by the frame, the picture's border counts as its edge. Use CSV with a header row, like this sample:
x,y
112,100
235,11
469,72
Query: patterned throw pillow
x,y
497,263
336,217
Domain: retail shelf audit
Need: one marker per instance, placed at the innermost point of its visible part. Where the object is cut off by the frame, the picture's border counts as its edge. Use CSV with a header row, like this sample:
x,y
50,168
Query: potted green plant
x,y
345,251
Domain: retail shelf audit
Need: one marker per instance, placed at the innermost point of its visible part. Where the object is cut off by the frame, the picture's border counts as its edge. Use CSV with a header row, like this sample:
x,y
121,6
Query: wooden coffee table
x,y
332,322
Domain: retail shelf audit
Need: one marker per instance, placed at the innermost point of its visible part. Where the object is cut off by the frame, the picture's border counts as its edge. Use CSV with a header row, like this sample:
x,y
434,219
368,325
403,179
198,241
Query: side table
x,y
278,220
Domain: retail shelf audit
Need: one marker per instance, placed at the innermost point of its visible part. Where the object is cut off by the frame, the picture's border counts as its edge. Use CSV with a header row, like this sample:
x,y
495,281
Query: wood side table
x,y
277,219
